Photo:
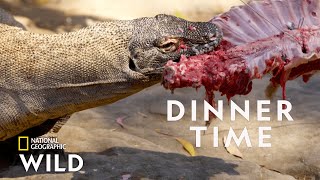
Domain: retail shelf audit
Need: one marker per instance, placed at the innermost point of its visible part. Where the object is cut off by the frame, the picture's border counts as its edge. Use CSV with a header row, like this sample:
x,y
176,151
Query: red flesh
x,y
225,70
252,47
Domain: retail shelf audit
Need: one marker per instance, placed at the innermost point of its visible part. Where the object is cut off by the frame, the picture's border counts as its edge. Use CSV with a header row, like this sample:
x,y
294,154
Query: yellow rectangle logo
x,y
24,140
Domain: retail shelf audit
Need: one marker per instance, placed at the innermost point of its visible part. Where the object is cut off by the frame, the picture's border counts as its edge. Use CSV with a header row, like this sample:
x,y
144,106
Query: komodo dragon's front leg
x,y
46,77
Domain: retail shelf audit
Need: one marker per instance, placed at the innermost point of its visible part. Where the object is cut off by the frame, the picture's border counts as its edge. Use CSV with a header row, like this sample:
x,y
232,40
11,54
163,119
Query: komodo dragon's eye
x,y
169,45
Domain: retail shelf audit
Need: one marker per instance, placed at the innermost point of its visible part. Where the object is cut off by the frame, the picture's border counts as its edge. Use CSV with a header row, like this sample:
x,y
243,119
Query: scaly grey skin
x,y
45,78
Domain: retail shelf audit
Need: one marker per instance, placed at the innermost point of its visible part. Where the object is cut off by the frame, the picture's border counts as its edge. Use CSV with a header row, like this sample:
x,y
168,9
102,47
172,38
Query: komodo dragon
x,y
46,78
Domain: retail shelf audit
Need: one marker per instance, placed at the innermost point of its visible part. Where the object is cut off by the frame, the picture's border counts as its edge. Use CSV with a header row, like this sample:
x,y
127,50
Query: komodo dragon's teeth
x,y
195,50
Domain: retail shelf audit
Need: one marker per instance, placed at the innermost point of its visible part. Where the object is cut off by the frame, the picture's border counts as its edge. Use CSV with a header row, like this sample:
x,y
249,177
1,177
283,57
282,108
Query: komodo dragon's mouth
x,y
172,48
183,49
198,47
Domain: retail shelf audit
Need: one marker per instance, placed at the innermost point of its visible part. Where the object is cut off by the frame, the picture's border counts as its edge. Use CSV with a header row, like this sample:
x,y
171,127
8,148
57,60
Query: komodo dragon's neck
x,y
55,75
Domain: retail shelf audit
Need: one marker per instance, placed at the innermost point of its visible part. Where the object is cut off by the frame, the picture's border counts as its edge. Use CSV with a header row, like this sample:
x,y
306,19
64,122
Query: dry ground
x,y
109,151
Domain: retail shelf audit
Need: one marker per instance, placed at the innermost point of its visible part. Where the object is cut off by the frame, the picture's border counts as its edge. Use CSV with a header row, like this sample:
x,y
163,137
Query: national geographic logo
x,y
75,162
40,143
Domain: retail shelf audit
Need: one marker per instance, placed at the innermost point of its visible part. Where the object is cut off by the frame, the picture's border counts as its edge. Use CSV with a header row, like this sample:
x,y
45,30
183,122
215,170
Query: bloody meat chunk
x,y
280,37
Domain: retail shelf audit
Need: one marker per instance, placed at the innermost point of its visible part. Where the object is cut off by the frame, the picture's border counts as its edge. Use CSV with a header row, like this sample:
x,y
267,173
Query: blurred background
x,y
45,16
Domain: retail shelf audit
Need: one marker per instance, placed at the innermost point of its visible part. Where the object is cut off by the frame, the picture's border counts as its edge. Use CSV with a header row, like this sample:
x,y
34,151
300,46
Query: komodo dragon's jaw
x,y
164,37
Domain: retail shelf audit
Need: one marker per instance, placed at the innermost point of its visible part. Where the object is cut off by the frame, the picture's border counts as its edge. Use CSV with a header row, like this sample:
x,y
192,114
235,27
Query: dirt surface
x,y
138,151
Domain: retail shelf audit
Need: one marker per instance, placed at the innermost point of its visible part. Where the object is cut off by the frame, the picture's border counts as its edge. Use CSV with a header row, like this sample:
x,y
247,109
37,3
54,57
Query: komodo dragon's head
x,y
164,37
